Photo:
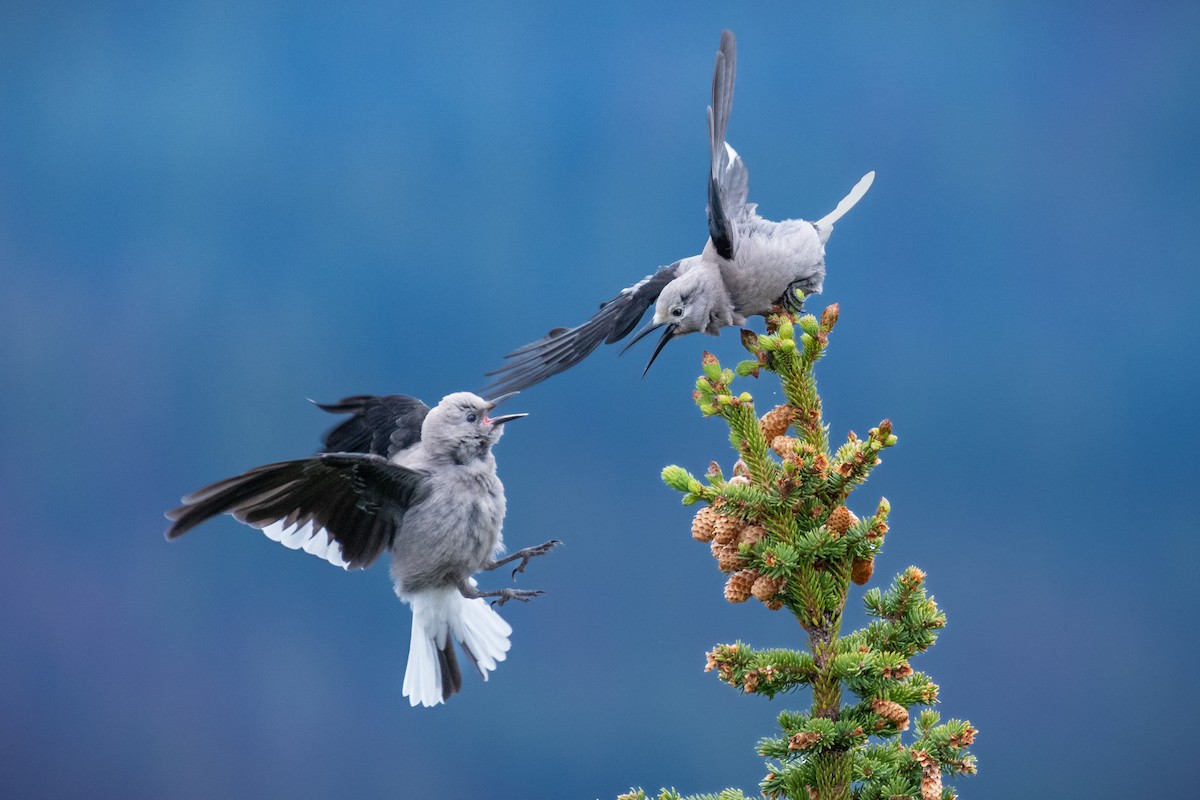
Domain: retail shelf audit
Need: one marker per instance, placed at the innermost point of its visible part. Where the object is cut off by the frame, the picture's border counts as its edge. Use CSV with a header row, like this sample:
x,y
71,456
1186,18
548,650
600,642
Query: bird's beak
x,y
637,337
494,421
668,334
497,401
506,418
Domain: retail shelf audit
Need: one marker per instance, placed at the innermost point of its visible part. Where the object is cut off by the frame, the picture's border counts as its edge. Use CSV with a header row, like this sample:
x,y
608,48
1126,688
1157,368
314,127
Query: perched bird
x,y
397,477
749,264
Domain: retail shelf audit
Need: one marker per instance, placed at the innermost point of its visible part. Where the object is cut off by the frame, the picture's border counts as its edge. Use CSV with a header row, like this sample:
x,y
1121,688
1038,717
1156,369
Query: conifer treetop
x,y
781,531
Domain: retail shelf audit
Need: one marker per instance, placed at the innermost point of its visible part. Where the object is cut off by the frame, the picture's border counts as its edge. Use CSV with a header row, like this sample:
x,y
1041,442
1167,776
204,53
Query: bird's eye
x,y
678,312
471,418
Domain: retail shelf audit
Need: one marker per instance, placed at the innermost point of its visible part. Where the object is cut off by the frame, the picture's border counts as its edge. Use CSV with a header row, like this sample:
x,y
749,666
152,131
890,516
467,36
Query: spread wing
x,y
563,348
728,180
344,507
380,424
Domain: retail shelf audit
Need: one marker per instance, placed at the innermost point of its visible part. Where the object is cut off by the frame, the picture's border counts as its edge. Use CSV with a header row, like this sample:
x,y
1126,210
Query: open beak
x,y
506,418
494,421
498,400
668,334
637,337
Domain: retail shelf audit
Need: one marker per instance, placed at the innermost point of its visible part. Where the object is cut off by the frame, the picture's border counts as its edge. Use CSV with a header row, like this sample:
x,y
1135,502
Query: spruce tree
x,y
780,528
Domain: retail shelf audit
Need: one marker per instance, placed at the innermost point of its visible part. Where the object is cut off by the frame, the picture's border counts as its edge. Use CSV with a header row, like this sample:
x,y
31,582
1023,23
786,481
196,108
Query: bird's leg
x,y
502,595
525,556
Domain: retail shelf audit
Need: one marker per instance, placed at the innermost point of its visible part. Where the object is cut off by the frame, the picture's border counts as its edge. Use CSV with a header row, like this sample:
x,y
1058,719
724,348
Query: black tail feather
x,y
451,675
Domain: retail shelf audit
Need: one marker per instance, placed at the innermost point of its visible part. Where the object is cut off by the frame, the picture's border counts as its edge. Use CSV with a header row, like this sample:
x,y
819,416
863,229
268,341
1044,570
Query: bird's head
x,y
695,301
460,425
686,305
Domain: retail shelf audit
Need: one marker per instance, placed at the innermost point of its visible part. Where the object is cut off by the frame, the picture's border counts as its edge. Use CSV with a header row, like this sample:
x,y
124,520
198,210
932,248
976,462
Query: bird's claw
x,y
525,555
793,301
504,595
530,553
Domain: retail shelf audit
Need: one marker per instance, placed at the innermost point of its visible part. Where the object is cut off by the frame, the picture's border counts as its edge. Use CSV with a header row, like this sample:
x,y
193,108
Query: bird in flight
x,y
401,478
749,265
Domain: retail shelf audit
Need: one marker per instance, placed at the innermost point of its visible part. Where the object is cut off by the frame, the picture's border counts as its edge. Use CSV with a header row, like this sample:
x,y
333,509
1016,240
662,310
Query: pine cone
x,y
840,520
902,671
728,558
891,711
751,534
776,421
804,740
931,776
765,587
966,737
861,570
737,589
702,524
783,446
726,529
775,603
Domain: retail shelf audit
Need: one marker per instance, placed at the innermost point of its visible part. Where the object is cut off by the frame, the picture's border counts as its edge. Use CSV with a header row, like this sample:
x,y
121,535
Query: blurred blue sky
x,y
210,212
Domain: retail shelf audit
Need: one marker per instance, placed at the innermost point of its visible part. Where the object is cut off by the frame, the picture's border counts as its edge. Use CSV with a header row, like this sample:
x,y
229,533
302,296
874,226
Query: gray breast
x,y
453,533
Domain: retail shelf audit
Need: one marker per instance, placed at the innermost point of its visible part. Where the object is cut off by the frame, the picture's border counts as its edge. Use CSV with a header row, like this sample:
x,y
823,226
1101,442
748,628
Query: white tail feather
x,y
438,614
825,223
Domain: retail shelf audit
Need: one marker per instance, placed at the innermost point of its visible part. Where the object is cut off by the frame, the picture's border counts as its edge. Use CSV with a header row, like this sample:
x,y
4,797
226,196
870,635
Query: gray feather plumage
x,y
366,502
417,483
749,265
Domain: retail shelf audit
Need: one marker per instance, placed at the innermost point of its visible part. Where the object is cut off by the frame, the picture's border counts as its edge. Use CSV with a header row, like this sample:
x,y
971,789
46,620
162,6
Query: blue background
x,y
211,212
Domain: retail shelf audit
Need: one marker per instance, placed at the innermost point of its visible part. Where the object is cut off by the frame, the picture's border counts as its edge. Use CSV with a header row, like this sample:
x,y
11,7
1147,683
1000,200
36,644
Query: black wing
x,y
381,424
728,179
563,348
354,500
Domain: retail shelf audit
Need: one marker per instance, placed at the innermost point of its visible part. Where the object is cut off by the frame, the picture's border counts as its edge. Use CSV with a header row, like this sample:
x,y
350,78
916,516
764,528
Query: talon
x,y
524,595
526,555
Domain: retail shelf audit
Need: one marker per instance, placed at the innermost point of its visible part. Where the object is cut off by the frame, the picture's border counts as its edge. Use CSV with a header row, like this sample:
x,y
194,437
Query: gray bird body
x,y
748,266
458,528
417,483
736,293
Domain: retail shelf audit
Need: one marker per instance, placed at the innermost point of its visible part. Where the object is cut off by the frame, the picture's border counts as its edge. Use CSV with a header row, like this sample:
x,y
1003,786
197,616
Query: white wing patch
x,y
631,289
303,537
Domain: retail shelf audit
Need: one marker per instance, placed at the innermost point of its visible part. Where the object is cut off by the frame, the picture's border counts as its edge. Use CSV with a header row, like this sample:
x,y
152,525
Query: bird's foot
x,y
470,591
525,555
793,301
504,595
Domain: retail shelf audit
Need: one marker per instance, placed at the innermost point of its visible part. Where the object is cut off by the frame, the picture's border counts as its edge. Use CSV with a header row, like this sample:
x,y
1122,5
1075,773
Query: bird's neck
x,y
473,455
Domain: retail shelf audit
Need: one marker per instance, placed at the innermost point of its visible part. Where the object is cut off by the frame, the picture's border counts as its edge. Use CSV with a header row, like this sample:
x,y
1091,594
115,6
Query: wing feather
x,y
379,424
728,180
563,348
356,500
